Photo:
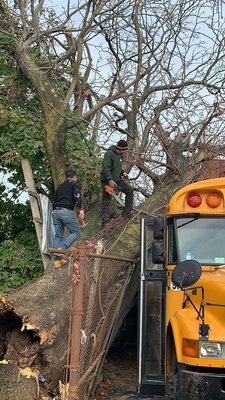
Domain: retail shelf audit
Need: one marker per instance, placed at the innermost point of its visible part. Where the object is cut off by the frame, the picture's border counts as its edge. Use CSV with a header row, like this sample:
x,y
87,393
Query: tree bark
x,y
53,111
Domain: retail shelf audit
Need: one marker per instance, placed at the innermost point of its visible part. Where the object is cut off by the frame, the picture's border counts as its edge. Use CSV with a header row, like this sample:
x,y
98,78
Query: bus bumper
x,y
200,385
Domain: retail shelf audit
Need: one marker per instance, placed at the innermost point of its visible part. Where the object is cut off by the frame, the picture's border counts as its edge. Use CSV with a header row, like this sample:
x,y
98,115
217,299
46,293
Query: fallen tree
x,y
34,324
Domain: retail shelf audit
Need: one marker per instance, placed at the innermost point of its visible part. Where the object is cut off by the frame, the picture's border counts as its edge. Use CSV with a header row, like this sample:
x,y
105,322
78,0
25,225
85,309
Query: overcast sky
x,y
4,180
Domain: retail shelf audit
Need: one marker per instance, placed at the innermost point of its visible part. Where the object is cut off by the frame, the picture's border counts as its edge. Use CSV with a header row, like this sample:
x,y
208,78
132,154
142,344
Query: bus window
x,y
153,329
199,239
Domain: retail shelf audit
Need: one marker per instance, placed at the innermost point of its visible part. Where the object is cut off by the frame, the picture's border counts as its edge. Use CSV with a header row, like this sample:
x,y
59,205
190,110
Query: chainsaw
x,y
114,193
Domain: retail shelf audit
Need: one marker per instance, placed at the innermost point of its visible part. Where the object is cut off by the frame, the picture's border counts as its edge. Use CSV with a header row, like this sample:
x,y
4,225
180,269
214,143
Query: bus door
x,y
151,351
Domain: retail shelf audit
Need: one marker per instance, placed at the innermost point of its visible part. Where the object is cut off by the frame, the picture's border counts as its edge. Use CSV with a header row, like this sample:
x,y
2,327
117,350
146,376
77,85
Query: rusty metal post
x,y
76,321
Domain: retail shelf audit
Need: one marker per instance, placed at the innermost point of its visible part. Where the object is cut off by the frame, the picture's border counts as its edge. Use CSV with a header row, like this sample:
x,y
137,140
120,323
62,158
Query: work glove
x,y
112,183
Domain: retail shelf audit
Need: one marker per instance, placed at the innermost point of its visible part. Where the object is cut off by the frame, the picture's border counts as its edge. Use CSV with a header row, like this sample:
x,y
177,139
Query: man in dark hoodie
x,y
67,197
113,175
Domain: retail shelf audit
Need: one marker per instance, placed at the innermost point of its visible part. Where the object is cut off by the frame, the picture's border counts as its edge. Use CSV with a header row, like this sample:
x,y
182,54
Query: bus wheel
x,y
177,395
174,386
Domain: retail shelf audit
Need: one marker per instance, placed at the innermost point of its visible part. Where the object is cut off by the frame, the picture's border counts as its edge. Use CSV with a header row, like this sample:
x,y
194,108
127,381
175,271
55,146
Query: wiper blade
x,y
188,222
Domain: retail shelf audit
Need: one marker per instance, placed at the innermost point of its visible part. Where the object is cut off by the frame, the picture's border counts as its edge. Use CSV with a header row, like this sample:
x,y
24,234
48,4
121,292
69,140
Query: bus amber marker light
x,y
190,347
213,200
194,199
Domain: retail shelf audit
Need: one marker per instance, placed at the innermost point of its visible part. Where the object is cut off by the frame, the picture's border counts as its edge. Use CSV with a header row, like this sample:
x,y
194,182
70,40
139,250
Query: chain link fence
x,y
104,285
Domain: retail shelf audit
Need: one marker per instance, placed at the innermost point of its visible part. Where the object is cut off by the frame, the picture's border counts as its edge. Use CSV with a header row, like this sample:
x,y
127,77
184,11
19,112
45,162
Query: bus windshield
x,y
200,239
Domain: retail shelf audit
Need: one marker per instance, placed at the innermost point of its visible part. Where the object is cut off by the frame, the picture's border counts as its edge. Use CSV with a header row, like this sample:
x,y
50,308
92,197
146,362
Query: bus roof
x,y
206,197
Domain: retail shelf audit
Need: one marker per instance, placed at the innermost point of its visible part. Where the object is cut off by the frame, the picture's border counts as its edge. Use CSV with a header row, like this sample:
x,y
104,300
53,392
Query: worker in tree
x,y
113,175
67,197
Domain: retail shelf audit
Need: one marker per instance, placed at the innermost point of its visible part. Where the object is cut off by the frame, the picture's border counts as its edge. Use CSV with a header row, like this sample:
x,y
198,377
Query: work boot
x,y
105,222
59,263
128,214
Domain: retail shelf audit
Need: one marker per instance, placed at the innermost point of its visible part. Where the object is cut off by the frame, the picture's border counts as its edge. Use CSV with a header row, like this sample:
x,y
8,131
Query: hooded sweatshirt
x,y
111,165
68,195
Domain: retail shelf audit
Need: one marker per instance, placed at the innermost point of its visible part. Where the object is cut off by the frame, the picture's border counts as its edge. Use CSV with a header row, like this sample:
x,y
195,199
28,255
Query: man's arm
x,y
78,196
77,192
107,166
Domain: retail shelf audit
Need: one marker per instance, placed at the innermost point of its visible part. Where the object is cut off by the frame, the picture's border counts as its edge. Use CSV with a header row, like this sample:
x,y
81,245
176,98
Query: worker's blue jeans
x,y
65,218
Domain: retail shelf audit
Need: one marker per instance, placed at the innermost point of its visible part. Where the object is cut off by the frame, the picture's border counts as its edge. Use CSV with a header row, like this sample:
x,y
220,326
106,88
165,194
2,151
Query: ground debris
x,y
119,379
21,350
103,389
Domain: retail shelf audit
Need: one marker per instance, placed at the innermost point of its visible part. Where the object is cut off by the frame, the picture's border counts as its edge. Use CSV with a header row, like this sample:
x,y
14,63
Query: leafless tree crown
x,y
147,70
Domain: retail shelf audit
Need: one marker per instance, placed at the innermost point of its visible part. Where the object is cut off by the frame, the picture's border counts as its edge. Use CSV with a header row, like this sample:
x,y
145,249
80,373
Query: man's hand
x,y
81,215
125,175
112,183
81,218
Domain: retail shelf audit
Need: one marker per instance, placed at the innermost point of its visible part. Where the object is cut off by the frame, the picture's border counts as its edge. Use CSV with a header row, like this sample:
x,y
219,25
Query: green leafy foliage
x,y
21,137
15,217
21,121
15,88
84,158
26,130
19,261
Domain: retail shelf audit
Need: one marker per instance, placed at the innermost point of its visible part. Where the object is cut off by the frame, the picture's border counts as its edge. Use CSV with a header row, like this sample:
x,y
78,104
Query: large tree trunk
x,y
34,330
53,111
34,324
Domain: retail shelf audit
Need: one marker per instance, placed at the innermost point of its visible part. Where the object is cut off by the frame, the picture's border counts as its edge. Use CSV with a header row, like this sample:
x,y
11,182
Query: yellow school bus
x,y
182,296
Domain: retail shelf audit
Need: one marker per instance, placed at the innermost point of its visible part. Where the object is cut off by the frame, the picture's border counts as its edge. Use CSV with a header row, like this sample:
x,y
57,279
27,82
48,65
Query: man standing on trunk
x,y
113,175
67,197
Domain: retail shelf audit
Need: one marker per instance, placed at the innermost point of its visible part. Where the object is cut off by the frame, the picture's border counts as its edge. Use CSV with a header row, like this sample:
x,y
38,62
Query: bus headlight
x,y
210,349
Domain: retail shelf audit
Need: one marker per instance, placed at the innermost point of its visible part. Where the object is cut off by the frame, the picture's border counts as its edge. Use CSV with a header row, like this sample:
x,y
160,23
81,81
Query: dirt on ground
x,y
117,374
119,380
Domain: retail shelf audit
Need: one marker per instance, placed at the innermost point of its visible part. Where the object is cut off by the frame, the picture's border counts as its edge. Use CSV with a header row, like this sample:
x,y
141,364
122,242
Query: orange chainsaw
x,y
114,193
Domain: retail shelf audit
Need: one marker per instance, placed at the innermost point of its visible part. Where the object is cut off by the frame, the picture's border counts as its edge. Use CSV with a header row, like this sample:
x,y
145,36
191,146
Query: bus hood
x,y
213,282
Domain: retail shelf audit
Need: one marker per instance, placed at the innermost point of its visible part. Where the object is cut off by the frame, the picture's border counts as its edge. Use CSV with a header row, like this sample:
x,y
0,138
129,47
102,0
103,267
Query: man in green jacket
x,y
113,175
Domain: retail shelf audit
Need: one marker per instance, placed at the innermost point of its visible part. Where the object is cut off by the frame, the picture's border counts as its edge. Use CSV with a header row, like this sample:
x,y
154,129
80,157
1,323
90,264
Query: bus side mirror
x,y
186,273
158,228
157,252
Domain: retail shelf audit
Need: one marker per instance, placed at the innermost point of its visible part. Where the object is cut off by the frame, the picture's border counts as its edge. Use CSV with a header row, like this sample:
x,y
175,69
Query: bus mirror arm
x,y
203,328
184,275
